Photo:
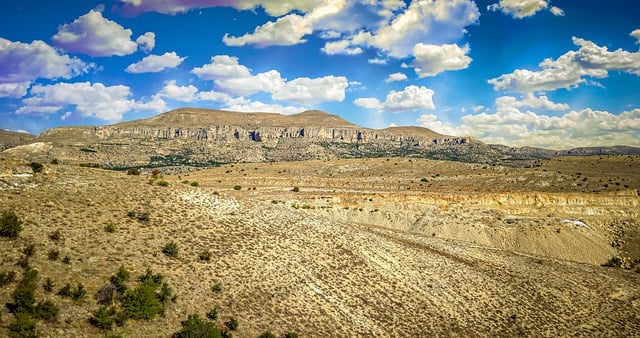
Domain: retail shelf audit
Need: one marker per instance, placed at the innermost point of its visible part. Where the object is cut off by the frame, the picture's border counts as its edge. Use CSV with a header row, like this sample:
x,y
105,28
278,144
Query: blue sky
x,y
550,73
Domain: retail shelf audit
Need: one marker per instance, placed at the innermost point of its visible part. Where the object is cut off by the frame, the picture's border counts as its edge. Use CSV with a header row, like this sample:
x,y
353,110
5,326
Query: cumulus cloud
x,y
258,106
22,63
421,22
519,8
368,102
636,34
173,7
377,61
146,42
178,93
410,98
570,69
286,31
431,60
340,47
235,79
396,77
90,100
94,35
155,63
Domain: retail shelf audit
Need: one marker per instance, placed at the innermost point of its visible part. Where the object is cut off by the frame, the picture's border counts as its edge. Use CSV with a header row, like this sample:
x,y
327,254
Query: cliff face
x,y
228,133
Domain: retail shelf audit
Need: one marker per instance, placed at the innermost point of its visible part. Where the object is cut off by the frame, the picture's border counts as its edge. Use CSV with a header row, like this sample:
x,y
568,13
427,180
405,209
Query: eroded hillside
x,y
397,246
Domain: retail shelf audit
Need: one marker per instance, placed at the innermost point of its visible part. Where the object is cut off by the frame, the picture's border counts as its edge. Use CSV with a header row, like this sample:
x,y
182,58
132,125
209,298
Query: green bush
x,y
53,255
29,250
142,302
170,249
65,291
163,183
232,324
614,262
165,293
133,171
66,260
7,278
290,335
103,318
213,313
110,227
295,189
23,299
237,187
122,275
194,184
80,293
23,326
194,326
267,334
47,286
46,310
55,161
10,224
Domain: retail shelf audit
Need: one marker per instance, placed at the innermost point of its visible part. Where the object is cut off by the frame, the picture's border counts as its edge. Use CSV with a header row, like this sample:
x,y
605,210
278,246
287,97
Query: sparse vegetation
x,y
110,227
614,262
53,255
55,236
296,189
232,324
7,278
237,187
163,183
205,256
133,171
170,249
195,326
194,184
10,224
48,285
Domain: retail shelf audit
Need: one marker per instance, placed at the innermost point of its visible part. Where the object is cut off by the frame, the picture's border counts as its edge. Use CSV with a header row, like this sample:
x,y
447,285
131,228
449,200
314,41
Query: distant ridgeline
x,y
204,137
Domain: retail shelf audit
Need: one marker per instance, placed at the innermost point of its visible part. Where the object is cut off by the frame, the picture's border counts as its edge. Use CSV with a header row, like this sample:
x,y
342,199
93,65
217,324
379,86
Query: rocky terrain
x,y
9,139
354,247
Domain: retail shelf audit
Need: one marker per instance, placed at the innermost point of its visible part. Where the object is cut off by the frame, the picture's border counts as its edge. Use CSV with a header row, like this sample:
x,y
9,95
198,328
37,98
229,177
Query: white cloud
x,y
286,31
235,79
556,11
430,60
519,8
90,100
636,34
421,22
22,63
155,63
368,102
570,69
146,42
396,77
330,34
258,106
340,47
178,93
313,91
377,61
94,35
410,98
431,121
172,7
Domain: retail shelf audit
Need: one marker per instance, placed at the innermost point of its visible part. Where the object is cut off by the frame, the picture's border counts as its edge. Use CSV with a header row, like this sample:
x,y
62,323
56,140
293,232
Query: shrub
x,y
213,313
614,262
55,161
142,302
170,249
232,324
122,275
133,171
163,183
23,262
47,310
80,293
23,299
55,236
237,187
10,224
194,326
205,256
217,287
424,179
30,250
295,189
36,167
66,260
47,286
65,291
22,326
103,318
290,335
165,293
110,227
267,334
7,278
53,255
194,184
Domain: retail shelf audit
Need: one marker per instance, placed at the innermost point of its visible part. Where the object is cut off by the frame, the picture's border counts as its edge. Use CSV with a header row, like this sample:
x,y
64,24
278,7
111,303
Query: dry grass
x,y
330,271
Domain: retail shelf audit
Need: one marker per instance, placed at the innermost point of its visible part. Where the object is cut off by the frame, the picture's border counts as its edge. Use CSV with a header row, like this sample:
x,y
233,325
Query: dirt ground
x,y
345,248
